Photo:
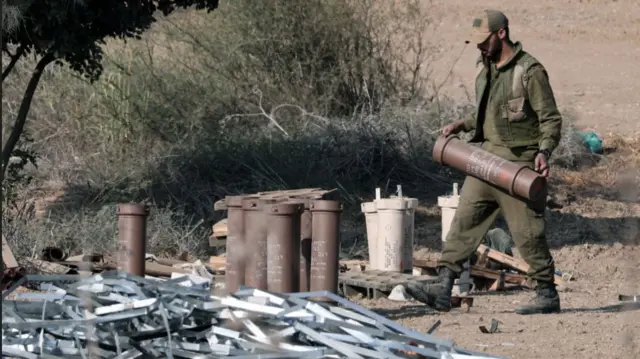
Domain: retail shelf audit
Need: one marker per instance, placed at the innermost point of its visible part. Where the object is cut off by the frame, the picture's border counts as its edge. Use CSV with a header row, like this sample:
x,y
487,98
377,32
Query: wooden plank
x,y
288,193
220,229
315,193
510,261
514,278
8,259
479,271
483,259
425,263
90,258
217,262
501,280
375,281
159,270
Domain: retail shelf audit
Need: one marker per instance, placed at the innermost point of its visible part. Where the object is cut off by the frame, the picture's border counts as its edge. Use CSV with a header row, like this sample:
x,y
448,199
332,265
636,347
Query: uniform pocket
x,y
515,110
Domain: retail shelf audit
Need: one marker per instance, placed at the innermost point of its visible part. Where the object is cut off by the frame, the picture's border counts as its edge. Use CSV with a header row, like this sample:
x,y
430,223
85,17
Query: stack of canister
x,y
287,244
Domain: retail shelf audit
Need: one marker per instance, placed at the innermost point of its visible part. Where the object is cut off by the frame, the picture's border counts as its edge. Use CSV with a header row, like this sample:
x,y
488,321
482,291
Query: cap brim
x,y
477,37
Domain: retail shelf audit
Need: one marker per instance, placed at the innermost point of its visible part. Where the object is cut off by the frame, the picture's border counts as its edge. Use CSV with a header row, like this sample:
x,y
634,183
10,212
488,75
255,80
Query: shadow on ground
x,y
407,311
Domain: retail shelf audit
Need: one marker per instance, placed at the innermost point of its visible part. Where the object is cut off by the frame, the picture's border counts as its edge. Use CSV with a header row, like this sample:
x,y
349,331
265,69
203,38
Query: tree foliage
x,y
72,32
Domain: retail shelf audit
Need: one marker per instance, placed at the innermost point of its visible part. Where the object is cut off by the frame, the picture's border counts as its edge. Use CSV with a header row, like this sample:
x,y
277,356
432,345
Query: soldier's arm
x,y
543,102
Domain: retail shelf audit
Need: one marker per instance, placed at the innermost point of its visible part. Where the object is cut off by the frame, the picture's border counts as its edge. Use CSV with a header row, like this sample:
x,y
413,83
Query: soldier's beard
x,y
493,55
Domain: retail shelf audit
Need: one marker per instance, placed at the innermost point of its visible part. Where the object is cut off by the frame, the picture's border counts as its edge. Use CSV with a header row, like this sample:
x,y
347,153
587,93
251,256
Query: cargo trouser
x,y
477,210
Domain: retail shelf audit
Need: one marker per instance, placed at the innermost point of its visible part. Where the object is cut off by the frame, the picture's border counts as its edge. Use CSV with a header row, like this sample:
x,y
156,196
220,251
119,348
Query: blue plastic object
x,y
592,141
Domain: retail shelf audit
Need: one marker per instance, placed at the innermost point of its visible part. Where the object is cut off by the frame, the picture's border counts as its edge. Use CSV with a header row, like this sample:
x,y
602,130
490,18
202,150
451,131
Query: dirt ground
x,y
591,50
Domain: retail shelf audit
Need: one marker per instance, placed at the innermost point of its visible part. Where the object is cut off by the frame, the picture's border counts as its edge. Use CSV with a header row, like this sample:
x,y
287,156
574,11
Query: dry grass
x,y
613,176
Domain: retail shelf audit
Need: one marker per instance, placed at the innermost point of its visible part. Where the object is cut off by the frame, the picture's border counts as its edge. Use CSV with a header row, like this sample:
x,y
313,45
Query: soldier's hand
x,y
542,165
452,128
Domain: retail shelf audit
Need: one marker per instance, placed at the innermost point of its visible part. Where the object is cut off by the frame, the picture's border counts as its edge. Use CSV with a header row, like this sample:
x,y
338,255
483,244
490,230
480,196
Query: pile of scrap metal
x,y
118,315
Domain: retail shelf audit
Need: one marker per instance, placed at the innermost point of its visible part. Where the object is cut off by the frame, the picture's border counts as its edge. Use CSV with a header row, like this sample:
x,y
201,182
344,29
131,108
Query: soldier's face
x,y
491,47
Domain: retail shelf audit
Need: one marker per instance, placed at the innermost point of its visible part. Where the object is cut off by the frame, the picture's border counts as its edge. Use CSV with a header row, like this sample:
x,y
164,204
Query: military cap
x,y
486,23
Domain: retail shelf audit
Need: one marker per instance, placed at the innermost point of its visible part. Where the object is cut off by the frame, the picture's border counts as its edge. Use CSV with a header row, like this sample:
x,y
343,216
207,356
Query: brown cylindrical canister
x,y
54,254
283,246
132,237
255,237
305,242
517,179
236,250
325,245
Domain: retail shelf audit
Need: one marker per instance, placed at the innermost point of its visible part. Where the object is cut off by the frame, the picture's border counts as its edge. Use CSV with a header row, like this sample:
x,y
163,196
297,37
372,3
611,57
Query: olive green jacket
x,y
520,109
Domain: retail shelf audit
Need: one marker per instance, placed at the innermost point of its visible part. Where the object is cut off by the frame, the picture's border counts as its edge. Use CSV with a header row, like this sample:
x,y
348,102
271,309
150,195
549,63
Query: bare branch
x,y
14,60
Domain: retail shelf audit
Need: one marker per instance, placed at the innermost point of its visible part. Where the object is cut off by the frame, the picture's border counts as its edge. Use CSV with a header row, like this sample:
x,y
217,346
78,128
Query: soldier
x,y
517,119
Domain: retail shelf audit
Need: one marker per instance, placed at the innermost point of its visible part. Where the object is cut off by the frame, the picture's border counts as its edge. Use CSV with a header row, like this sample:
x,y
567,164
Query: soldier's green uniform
x,y
516,117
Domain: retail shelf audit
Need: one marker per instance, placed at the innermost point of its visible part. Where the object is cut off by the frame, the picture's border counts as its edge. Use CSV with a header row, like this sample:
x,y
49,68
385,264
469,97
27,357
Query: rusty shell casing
x,y
132,237
517,179
54,254
325,245
283,246
305,242
255,237
236,250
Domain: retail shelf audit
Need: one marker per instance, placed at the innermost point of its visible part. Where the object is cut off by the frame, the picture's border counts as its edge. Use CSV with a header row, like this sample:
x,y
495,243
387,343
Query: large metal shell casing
x,y
283,246
305,242
255,236
517,179
325,245
236,250
132,237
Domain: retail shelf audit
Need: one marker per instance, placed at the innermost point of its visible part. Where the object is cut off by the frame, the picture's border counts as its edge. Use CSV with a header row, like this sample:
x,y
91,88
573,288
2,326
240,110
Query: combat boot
x,y
546,300
436,295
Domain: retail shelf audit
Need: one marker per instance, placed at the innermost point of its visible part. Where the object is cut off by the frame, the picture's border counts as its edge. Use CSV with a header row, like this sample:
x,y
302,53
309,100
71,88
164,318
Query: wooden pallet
x,y
484,278
313,193
375,284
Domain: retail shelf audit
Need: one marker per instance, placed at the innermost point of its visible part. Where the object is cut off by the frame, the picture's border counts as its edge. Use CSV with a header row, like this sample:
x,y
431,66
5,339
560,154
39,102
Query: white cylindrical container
x,y
371,220
448,205
391,217
409,238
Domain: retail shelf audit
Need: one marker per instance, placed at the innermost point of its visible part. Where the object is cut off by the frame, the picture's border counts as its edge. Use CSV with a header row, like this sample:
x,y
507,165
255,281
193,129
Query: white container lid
x,y
448,201
368,207
398,204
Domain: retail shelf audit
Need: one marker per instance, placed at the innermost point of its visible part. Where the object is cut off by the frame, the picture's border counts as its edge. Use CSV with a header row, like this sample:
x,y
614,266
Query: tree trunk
x,y
12,63
21,119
